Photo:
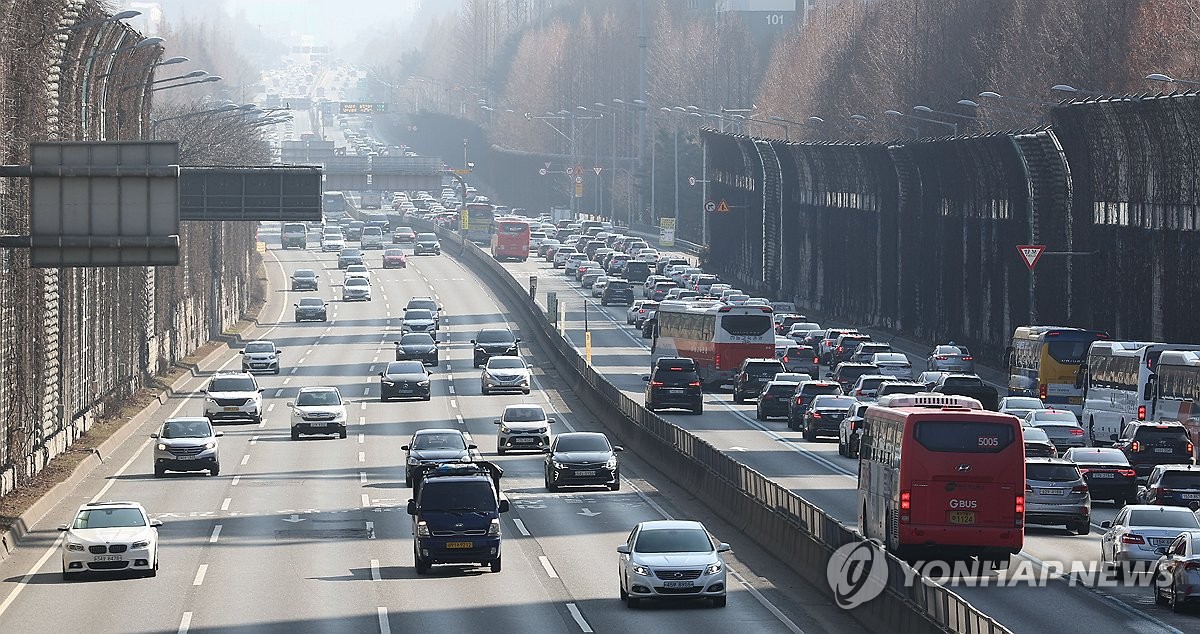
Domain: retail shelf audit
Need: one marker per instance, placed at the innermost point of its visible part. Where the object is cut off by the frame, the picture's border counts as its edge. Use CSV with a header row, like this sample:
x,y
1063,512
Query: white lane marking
x,y
521,527
454,403
278,391
121,471
362,477
788,623
225,504
29,575
447,339
236,479
294,369
245,459
371,369
308,352
366,391
184,623
384,626
212,539
287,380
370,530
253,440
362,457
375,359
362,438
451,389
366,500
262,424
362,420
271,407
460,419
199,580
578,616
546,565
375,570
364,407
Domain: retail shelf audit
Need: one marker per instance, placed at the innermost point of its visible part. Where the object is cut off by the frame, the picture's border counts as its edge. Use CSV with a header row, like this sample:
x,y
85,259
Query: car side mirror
x,y
219,434
290,404
645,377
472,446
262,389
382,374
156,523
1106,524
550,421
723,548
63,527
1160,551
503,507
412,507
495,421
404,447
518,340
278,350
203,391
154,435
472,341
396,342
296,305
618,448
241,352
623,549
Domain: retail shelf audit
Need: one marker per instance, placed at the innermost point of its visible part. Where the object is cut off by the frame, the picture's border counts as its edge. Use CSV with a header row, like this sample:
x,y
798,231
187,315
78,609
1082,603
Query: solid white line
x,y
361,438
521,527
225,504
788,623
370,530
199,580
236,479
375,570
546,564
121,471
245,459
366,500
29,575
384,626
362,477
185,623
578,616
271,407
362,457
212,539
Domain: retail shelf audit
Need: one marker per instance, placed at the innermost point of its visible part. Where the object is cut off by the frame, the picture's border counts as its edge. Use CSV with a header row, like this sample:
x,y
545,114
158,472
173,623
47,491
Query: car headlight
x,y
542,430
612,463
209,399
557,465
713,569
494,528
210,445
140,544
162,446
422,383
505,430
639,569
78,548
422,529
388,382
413,461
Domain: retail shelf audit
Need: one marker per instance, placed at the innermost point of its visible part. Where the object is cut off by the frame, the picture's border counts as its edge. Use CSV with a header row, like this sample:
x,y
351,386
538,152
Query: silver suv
x,y
1056,494
233,396
187,444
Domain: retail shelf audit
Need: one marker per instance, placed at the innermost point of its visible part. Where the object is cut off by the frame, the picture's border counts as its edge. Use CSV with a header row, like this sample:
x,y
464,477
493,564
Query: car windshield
x,y
1165,517
495,336
109,518
391,253
1023,402
426,237
357,281
232,384
496,363
406,367
304,273
259,346
416,339
312,301
673,540
427,304
833,402
446,440
1046,472
186,429
524,414
418,314
319,397
890,357
471,495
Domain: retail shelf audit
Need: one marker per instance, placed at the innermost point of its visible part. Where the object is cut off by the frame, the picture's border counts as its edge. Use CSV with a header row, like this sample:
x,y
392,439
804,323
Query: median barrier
x,y
781,522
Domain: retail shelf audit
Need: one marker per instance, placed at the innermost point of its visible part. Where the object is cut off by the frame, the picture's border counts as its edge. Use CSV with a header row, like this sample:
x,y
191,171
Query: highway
x,y
312,535
816,471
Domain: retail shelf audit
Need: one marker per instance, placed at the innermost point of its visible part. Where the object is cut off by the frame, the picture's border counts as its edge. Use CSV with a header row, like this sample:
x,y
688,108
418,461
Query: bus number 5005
x,y
989,441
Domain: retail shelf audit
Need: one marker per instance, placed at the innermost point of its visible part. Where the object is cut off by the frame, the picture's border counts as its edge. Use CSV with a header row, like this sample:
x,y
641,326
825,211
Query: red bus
x,y
941,478
716,336
510,240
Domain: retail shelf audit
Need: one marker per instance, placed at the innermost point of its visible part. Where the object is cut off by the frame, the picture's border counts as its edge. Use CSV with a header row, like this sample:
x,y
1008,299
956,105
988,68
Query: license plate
x,y
1163,450
185,457
962,517
106,558
1075,400
1103,475
231,409
678,584
1190,496
524,440
404,391
460,544
675,391
585,473
1052,491
316,424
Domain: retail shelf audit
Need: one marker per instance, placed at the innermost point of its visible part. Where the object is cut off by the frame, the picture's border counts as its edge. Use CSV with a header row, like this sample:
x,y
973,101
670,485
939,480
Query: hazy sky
x,y
329,21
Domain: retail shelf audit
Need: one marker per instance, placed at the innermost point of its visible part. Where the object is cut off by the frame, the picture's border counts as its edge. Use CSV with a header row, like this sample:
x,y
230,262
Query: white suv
x,y
372,238
233,396
318,410
110,537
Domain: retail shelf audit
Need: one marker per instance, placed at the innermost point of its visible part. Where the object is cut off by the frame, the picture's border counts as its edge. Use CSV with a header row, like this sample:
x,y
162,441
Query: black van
x,y
637,272
456,515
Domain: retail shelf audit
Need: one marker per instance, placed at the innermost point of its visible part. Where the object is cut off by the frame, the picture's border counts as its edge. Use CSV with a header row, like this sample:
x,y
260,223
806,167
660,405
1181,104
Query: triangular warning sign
x,y
597,170
722,207
547,164
1031,253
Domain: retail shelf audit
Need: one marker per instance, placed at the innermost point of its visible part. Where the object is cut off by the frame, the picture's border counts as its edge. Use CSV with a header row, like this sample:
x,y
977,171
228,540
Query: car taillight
x,y
1132,539
1082,488
800,400
1191,448
1192,565
694,384
941,357
784,359
817,360
656,384
968,358
839,349
1076,432
1019,510
858,392
1159,492
1128,473
717,361
1135,446
905,506
1042,391
1084,471
816,414
1141,412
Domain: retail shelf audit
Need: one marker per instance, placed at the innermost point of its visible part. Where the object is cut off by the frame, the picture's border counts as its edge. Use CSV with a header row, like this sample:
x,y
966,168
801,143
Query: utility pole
x,y
641,95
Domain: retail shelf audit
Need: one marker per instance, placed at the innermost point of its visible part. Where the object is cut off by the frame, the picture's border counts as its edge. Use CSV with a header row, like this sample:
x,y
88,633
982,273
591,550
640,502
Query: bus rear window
x,y
1068,352
746,325
513,229
963,437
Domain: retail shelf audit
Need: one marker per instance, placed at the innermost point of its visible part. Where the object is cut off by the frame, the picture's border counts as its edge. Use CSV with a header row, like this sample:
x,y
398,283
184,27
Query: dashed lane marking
x,y
212,539
199,580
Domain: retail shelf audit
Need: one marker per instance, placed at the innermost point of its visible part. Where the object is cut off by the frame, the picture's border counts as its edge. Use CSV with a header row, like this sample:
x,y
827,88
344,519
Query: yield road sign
x,y
1031,253
710,206
597,170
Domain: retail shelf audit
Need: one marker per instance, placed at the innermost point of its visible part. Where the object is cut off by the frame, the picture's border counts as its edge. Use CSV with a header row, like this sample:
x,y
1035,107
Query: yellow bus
x,y
1045,362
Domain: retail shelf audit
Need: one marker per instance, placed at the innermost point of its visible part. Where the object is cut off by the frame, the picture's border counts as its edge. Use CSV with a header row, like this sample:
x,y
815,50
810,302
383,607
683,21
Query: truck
x,y
372,200
455,513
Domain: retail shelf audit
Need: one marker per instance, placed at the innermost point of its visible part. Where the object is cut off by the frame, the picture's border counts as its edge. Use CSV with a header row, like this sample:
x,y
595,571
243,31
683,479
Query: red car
x,y
394,259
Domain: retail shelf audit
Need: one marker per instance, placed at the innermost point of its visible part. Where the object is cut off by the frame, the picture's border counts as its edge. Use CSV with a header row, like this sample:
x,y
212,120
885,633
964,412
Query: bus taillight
x,y
1042,391
717,361
1019,520
905,506
1141,412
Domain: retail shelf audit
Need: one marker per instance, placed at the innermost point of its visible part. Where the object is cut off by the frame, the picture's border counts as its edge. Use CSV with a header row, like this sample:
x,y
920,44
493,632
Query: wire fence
x,y
75,343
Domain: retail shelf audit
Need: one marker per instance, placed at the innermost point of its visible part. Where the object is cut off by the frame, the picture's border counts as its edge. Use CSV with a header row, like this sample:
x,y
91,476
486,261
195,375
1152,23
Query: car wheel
x,y
159,472
632,602
1177,605
258,419
809,435
342,434
295,435
718,602
484,390
495,565
792,424
500,450
841,447
153,572
297,320
624,594
616,484
1083,527
550,486
382,398
66,576
525,391
427,397
758,413
649,407
276,371
698,410
215,471
1159,598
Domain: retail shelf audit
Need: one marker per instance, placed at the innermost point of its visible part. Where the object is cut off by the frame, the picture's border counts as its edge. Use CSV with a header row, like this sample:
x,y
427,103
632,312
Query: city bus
x,y
1118,380
333,204
475,222
510,240
716,336
941,478
1046,361
1177,390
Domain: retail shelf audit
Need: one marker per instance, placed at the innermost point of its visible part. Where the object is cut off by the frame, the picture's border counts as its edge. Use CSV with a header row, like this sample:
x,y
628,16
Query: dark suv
x,y
773,401
674,382
804,394
456,515
1151,443
1172,485
845,347
753,374
847,373
617,291
495,342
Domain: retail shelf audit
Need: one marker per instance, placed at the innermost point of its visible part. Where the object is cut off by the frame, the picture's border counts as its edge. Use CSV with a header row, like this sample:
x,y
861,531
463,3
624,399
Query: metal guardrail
x,y
779,520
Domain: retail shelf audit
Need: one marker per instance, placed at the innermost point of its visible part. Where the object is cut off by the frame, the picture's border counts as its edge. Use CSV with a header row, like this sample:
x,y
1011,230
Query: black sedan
x,y
404,379
1107,471
311,309
824,416
435,446
418,346
582,458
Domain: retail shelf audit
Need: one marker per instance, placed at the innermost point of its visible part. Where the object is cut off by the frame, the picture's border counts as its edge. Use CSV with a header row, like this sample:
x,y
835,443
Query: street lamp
x,y
1171,80
116,17
1081,91
210,78
187,115
136,46
165,62
894,113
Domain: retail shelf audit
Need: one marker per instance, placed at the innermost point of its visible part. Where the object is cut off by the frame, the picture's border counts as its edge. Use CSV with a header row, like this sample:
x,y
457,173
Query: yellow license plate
x,y
962,517
459,544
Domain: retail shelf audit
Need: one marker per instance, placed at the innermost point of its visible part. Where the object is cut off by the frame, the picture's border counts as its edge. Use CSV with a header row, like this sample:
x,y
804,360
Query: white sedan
x,y
110,537
599,285
669,559
504,373
359,271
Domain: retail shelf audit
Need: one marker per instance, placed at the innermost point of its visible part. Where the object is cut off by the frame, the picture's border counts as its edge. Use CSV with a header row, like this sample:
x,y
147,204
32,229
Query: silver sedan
x,y
1130,540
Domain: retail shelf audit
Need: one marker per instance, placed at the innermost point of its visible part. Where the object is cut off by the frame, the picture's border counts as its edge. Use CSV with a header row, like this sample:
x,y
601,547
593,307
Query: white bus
x,y
716,336
1177,388
1118,383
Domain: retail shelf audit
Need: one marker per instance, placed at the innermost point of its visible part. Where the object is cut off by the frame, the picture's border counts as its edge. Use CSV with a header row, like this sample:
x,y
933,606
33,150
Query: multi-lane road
x,y
312,535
